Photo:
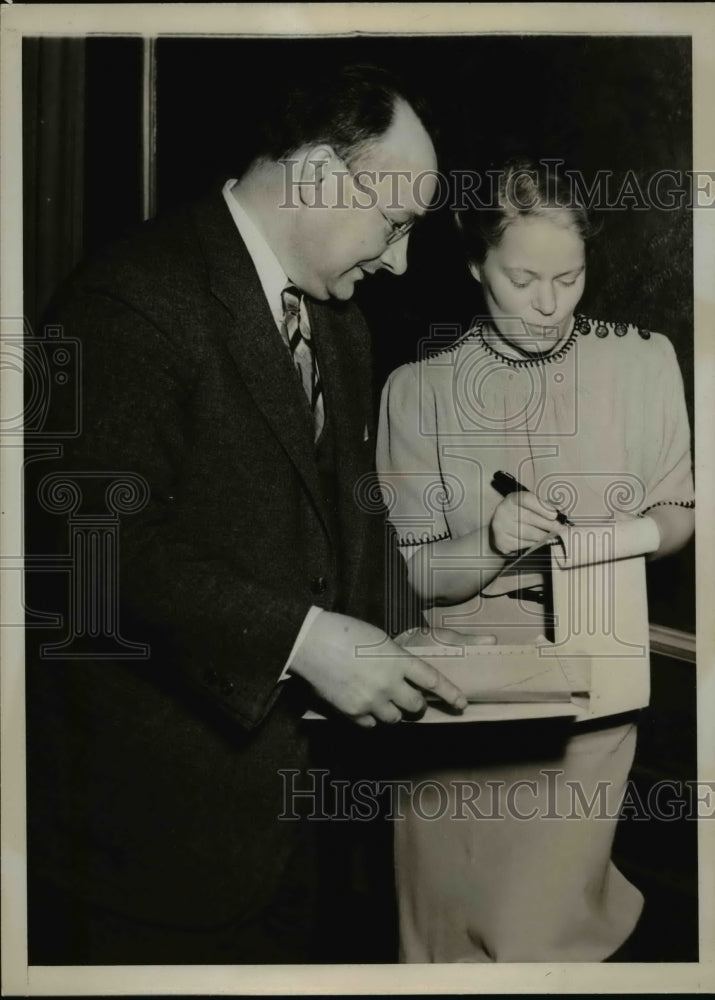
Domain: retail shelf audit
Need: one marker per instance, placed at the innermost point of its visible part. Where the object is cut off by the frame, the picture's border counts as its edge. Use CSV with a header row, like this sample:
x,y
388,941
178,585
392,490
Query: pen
x,y
505,484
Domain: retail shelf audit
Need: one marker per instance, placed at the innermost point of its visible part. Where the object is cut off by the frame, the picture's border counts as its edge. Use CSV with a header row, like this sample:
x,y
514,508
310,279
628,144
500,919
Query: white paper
x,y
582,545
602,611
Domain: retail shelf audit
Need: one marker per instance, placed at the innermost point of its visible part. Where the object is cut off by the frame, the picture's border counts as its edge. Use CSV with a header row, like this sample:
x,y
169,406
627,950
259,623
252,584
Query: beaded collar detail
x,y
583,326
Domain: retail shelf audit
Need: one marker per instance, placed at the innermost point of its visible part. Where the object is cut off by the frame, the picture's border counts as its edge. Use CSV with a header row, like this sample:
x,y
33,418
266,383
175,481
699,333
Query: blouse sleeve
x,y
671,480
408,466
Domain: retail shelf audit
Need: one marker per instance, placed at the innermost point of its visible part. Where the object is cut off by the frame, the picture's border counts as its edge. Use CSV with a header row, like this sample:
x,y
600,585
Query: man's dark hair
x,y
347,108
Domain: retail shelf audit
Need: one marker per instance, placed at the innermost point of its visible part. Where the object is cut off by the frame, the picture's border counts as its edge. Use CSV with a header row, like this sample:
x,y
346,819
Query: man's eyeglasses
x,y
398,230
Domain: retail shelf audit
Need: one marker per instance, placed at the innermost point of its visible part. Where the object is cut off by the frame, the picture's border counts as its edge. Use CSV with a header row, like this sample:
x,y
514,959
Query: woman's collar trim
x,y
544,359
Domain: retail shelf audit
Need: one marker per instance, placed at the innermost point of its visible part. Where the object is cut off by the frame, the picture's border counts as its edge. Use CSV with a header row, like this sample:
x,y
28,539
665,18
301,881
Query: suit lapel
x,y
255,344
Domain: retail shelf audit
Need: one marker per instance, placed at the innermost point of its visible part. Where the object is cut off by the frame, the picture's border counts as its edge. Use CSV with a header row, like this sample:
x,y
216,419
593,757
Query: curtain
x,y
53,81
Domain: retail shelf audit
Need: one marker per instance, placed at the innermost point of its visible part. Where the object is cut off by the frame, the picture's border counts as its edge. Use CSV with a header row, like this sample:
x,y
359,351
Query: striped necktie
x,y
295,330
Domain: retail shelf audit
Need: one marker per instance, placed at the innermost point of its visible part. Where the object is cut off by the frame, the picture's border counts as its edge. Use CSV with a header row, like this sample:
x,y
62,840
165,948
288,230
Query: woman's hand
x,y
434,636
675,527
520,520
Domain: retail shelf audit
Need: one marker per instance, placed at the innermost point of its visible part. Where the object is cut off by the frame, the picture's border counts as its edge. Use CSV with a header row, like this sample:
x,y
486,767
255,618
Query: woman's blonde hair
x,y
522,188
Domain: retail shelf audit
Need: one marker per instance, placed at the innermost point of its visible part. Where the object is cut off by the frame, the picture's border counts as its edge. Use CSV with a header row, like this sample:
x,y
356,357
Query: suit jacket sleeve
x,y
227,631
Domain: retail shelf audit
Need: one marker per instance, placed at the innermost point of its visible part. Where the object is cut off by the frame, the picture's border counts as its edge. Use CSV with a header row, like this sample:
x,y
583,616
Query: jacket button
x,y
211,677
318,584
227,688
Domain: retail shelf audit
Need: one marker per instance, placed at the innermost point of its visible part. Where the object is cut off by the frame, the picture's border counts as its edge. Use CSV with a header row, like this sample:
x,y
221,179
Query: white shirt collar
x,y
270,273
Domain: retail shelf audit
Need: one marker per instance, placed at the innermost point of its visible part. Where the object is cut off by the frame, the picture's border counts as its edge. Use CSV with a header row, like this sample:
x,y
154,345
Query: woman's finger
x,y
529,501
525,536
535,529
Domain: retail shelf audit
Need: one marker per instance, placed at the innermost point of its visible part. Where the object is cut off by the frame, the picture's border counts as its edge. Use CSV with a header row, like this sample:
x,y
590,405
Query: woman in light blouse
x,y
548,396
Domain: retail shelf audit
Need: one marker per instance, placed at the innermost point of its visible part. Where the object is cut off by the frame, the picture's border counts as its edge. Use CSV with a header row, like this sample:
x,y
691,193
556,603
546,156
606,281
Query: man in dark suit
x,y
226,378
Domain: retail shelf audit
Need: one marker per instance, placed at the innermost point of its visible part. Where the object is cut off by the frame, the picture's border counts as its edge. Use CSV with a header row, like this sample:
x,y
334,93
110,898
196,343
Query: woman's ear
x,y
475,271
314,169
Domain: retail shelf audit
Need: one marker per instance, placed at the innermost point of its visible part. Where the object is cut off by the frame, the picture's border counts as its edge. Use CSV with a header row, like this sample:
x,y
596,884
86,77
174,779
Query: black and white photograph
x,y
357,375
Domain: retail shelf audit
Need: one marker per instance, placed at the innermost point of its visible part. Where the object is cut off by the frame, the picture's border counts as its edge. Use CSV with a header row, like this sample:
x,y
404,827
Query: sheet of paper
x,y
602,612
588,544
501,712
494,712
509,673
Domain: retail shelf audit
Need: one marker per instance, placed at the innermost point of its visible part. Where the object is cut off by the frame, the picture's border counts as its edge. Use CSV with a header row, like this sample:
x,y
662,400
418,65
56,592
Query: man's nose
x,y
544,298
394,257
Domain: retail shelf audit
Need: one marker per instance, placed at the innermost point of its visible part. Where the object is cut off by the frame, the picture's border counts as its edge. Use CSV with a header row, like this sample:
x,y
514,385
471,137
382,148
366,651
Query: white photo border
x,y
694,20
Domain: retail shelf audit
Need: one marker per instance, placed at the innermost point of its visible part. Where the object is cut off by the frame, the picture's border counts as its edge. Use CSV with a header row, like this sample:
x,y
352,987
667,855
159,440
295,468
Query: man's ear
x,y
475,270
314,169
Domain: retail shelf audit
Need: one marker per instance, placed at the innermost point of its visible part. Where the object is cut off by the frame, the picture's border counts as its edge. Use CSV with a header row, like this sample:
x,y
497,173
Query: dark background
x,y
599,103
618,104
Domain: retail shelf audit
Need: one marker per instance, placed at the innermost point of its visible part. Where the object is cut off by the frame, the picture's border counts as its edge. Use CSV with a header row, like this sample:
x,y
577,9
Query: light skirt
x,y
510,861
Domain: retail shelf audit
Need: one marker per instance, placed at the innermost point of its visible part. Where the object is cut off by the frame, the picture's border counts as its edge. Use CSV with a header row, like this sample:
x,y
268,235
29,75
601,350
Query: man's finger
x,y
429,679
409,699
366,721
387,712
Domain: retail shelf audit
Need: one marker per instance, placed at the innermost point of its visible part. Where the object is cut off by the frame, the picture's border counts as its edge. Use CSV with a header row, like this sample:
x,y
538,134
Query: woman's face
x,y
533,280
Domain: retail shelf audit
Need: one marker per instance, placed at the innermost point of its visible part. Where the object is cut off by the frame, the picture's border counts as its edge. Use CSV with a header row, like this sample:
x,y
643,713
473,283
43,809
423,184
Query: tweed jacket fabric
x,y
153,783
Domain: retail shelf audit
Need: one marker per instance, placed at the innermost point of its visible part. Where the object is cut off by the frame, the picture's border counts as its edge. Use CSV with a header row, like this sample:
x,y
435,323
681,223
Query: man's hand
x,y
366,676
520,520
